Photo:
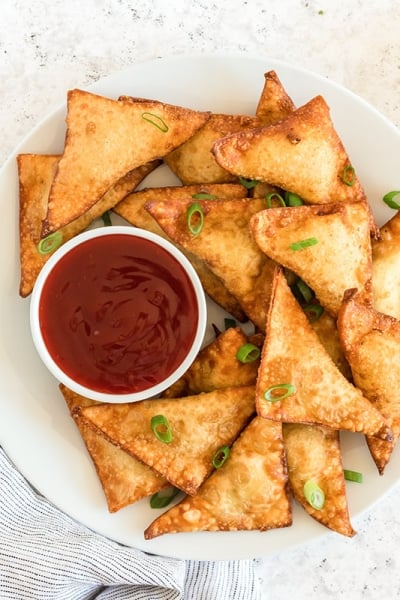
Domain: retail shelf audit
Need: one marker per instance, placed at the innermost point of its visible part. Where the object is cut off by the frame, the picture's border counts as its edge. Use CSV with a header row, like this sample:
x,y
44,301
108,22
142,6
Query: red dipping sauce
x,y
117,314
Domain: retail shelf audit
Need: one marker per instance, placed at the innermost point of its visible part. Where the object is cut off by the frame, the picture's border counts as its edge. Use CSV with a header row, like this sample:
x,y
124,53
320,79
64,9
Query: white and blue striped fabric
x,y
45,555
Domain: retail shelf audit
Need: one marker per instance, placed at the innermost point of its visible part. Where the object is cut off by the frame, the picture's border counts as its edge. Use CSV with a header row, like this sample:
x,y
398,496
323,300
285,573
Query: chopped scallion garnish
x,y
106,218
353,476
220,456
204,196
156,121
164,497
248,183
248,353
304,290
300,245
50,243
161,429
313,311
314,494
228,323
392,199
195,218
278,392
292,199
349,175
269,198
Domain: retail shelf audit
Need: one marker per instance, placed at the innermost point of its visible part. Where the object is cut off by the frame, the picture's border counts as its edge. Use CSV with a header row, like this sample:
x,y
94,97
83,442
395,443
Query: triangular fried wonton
x,y
226,245
301,153
193,161
132,210
274,103
386,268
36,173
249,491
124,479
328,247
371,341
296,367
217,366
313,454
200,425
105,139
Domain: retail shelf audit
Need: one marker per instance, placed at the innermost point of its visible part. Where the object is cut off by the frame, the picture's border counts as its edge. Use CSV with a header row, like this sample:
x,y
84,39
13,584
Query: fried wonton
x,y
36,173
200,425
217,366
386,268
226,245
249,491
328,247
274,103
296,367
302,154
132,210
105,139
326,328
371,341
313,454
124,479
193,161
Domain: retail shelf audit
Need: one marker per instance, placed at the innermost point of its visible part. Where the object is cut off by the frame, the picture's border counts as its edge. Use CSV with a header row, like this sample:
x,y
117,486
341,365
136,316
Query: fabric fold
x,y
46,555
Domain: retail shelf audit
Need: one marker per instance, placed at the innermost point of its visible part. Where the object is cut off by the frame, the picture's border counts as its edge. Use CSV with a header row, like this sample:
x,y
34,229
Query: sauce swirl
x,y
118,314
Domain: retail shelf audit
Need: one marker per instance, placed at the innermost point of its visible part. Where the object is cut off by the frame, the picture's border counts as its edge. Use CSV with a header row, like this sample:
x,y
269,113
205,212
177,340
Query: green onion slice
x,y
106,218
301,244
392,199
156,121
248,353
228,323
248,183
313,311
293,199
161,428
50,243
164,497
279,392
314,494
353,476
304,290
195,218
204,196
349,175
274,196
220,456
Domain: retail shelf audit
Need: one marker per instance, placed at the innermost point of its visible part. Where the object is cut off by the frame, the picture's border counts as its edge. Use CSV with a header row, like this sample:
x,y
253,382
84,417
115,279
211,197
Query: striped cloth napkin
x,y
45,555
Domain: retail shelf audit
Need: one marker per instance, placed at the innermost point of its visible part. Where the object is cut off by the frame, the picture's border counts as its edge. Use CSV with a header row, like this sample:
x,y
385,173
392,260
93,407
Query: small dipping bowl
x,y
118,314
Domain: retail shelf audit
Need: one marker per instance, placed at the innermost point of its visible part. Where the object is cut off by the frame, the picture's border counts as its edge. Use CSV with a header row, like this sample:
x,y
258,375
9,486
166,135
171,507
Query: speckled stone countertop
x,y
48,47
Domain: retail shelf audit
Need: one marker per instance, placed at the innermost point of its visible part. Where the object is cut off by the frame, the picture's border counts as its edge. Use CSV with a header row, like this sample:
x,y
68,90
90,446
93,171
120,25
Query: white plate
x,y
35,428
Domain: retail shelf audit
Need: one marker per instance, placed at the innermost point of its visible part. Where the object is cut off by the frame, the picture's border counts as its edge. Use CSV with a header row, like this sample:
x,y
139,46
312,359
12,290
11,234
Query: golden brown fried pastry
x,y
124,479
200,425
274,103
302,154
371,341
193,161
36,173
299,383
313,454
226,245
328,247
249,491
386,268
132,210
217,366
105,139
